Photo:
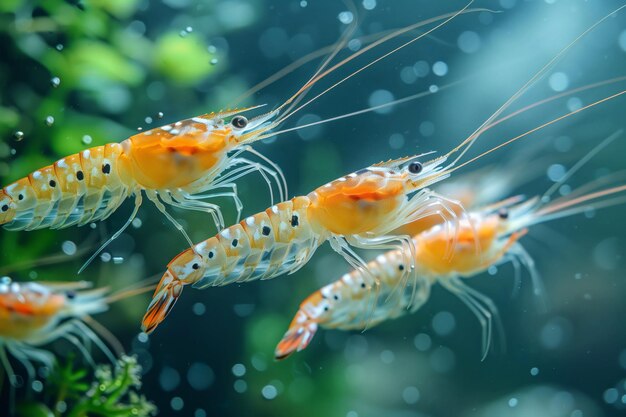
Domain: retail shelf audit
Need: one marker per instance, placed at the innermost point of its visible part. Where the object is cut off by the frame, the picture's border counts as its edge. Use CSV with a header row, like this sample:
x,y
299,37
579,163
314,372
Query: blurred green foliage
x,y
111,393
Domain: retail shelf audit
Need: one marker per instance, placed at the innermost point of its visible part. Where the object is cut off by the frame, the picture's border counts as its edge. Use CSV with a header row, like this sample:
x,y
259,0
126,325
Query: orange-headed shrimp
x,y
181,164
33,315
361,210
353,302
356,302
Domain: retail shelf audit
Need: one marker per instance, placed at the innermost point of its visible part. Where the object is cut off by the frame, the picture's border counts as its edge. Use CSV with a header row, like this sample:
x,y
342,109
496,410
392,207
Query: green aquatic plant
x,y
112,392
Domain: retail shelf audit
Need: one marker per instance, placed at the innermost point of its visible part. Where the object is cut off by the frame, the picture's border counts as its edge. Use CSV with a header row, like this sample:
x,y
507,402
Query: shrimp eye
x,y
503,214
70,295
239,122
415,167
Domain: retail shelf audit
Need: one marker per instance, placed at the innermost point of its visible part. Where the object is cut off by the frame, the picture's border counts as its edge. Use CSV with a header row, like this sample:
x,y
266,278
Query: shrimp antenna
x,y
474,136
447,18
565,116
578,165
426,93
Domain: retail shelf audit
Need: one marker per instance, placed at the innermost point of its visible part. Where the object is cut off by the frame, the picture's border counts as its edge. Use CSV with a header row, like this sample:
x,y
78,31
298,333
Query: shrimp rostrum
x,y
353,302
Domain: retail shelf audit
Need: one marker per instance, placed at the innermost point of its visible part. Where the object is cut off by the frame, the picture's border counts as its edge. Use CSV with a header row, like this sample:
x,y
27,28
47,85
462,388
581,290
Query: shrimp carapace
x,y
353,303
283,238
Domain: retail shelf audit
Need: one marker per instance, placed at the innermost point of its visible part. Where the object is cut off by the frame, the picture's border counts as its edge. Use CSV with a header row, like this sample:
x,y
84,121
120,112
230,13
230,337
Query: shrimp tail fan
x,y
298,336
165,296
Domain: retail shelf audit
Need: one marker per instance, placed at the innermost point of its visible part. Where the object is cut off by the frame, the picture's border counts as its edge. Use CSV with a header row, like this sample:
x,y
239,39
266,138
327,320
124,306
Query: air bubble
x,y
513,402
189,29
212,49
68,247
55,81
559,81
49,120
177,403
396,141
214,61
118,260
148,120
346,17
160,115
105,257
443,323
18,135
534,371
387,356
137,223
369,4
269,392
240,386
556,172
440,68
87,139
37,386
422,342
380,97
198,309
411,395
354,45
59,47
469,42
239,369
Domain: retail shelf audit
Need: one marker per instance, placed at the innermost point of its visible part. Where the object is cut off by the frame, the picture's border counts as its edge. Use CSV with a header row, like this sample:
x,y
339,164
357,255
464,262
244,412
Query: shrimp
x,y
496,230
180,164
34,314
359,210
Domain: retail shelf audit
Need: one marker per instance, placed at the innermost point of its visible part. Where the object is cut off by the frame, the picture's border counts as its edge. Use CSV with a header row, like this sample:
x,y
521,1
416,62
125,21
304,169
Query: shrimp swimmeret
x,y
356,301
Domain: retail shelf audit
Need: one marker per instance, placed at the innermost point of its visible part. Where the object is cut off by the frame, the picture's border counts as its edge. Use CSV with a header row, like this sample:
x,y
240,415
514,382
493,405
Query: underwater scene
x,y
356,208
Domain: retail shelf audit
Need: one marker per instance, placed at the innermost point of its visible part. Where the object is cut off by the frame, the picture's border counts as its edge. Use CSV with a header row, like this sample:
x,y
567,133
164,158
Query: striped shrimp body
x,y
76,190
340,304
34,314
179,164
359,208
276,241
356,301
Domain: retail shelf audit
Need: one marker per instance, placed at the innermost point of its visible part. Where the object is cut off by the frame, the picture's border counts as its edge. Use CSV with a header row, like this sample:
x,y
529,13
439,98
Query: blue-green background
x,y
121,61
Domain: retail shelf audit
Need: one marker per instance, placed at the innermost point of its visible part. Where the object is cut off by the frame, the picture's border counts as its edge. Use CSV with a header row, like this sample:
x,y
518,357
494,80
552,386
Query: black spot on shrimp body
x,y
503,214
106,169
235,242
401,267
5,207
20,197
80,176
266,231
53,183
294,221
362,171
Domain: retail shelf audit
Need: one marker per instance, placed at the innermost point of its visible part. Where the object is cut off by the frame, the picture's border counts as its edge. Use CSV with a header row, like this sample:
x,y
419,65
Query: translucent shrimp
x,y
355,301
181,164
33,315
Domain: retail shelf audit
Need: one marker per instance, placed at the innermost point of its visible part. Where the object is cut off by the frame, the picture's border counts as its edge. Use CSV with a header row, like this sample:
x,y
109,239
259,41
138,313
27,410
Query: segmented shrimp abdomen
x,y
274,242
81,188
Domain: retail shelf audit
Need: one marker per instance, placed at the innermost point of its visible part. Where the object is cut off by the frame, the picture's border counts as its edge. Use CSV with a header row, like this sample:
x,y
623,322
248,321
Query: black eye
x,y
195,266
239,122
415,167
503,214
70,295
